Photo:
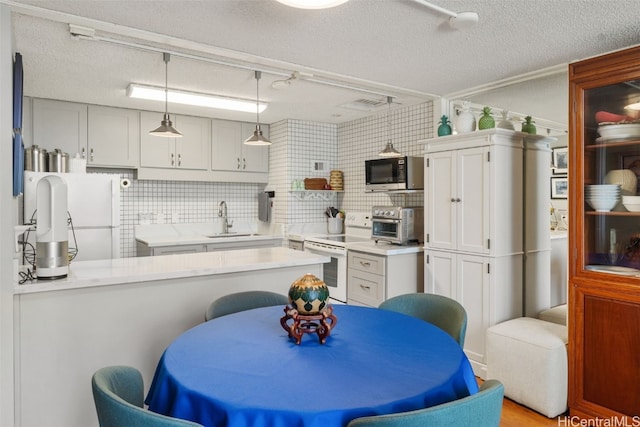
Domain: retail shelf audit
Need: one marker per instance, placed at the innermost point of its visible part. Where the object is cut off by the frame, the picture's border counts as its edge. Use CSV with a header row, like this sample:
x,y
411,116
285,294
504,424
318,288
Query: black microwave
x,y
394,173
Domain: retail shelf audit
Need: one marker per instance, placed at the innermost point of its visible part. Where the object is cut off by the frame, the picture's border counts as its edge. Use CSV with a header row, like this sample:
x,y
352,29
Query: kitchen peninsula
x,y
125,311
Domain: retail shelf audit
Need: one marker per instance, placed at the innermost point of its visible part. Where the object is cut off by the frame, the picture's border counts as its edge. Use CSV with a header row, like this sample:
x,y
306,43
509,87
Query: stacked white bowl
x,y
631,203
602,198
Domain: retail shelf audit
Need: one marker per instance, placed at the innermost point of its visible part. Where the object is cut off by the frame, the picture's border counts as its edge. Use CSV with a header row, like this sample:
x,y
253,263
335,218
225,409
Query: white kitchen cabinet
x,y
371,279
113,137
59,124
191,152
483,286
458,216
230,153
253,244
486,227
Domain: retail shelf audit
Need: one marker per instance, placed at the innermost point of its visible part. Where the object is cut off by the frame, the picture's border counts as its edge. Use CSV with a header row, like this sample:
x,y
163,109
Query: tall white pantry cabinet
x,y
487,241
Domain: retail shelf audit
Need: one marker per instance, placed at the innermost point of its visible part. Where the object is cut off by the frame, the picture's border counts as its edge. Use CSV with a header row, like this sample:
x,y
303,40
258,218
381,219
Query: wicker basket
x,y
314,183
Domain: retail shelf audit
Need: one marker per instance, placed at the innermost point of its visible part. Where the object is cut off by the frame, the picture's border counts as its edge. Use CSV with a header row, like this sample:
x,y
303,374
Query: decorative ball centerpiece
x,y
309,310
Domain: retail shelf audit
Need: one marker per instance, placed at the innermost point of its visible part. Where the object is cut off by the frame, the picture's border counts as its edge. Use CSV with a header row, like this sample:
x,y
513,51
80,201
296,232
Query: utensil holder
x,y
334,225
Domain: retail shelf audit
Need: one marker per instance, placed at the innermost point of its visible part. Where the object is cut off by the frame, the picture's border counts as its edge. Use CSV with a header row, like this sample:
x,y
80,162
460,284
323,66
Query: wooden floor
x,y
516,415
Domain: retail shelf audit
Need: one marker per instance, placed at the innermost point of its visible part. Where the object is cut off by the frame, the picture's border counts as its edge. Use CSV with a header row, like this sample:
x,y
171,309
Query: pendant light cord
x,y
166,57
389,101
258,73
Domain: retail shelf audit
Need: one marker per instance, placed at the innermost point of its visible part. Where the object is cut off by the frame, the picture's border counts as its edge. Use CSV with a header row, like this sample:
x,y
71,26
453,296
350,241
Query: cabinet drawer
x,y
365,262
364,287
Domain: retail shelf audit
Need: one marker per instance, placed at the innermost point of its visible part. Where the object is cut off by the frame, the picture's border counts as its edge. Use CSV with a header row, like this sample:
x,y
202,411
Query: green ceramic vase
x,y
445,126
528,126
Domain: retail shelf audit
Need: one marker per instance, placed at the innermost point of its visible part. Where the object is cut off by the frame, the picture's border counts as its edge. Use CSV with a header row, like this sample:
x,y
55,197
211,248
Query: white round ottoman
x,y
529,356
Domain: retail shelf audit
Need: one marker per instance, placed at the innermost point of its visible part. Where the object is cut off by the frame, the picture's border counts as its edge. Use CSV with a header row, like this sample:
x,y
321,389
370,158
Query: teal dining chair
x,y
118,395
482,409
443,312
241,301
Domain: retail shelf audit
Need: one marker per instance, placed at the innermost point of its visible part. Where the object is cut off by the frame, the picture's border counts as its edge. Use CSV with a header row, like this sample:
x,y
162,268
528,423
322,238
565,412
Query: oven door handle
x,y
387,221
323,250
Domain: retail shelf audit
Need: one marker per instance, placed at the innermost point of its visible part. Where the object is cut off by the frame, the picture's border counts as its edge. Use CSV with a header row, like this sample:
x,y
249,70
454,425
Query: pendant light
x,y
389,151
257,138
166,128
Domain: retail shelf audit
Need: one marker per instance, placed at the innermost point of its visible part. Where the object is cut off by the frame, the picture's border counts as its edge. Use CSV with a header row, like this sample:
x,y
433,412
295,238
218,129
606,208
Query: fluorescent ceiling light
x,y
312,4
155,93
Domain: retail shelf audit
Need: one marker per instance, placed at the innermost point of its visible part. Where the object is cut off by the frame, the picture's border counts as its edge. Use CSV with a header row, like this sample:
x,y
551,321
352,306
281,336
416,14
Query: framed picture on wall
x,y
559,187
560,161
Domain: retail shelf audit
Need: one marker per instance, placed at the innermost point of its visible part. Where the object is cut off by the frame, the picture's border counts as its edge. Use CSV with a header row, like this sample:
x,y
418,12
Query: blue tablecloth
x,y
242,370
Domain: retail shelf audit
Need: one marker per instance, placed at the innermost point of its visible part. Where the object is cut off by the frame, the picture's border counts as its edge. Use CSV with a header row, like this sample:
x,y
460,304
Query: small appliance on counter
x,y
397,224
52,243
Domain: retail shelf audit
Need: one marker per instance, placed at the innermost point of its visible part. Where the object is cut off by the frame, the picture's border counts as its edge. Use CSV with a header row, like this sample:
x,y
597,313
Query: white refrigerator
x,y
94,207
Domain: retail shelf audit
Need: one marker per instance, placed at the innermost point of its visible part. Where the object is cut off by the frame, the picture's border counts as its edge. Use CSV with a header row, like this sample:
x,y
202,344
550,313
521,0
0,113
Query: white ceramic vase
x,y
505,123
466,121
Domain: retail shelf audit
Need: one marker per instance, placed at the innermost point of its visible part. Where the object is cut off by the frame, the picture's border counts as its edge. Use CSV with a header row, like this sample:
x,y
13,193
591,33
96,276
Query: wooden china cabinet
x,y
604,246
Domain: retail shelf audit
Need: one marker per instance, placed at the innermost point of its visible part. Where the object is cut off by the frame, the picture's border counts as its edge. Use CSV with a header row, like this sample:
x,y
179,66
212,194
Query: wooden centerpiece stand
x,y
320,323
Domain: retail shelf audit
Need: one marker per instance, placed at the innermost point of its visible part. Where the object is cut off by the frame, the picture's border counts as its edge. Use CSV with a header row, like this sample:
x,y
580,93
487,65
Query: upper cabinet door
x,y
226,148
440,193
60,124
155,151
192,150
114,135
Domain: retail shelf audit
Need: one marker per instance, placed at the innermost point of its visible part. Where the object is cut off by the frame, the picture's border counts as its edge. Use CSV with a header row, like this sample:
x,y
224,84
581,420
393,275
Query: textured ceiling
x,y
399,44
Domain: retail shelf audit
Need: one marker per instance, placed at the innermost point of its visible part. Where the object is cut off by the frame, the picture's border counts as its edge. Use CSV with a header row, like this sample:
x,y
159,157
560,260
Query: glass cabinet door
x,y
610,171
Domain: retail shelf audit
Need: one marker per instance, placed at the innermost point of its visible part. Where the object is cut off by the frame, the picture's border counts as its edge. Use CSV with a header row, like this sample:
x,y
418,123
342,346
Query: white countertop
x,y
384,248
157,235
143,269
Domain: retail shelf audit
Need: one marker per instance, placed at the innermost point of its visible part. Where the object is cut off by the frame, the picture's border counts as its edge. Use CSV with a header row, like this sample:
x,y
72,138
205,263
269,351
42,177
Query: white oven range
x,y
357,229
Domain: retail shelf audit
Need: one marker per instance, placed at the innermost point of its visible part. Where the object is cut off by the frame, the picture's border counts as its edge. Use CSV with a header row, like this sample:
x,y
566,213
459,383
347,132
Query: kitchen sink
x,y
232,234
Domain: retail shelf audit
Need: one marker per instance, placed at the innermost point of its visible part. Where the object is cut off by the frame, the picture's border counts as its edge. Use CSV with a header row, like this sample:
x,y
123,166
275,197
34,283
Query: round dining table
x,y
243,370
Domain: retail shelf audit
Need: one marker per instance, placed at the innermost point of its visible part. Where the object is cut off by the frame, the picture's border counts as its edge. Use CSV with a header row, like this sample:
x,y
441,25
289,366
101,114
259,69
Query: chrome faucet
x,y
222,213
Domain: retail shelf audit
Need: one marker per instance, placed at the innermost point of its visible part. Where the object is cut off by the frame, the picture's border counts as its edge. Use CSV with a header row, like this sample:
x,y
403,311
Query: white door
x,y
440,272
472,194
192,150
440,203
113,136
226,151
59,124
472,291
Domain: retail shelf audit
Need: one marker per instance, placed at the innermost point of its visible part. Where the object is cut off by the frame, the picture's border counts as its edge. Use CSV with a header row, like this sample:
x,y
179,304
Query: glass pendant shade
x,y
389,150
257,138
166,128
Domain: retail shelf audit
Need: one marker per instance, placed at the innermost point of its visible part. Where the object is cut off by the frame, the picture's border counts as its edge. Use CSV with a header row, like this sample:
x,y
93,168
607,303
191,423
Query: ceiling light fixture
x,y
155,93
312,4
283,84
389,151
458,21
257,138
166,128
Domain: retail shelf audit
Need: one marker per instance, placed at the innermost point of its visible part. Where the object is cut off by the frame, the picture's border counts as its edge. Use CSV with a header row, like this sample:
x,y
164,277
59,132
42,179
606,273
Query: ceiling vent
x,y
364,104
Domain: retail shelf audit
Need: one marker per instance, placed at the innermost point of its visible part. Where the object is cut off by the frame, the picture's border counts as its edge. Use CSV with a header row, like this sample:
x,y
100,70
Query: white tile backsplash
x,y
296,146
